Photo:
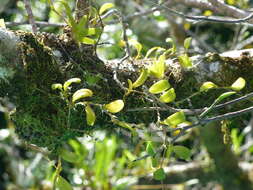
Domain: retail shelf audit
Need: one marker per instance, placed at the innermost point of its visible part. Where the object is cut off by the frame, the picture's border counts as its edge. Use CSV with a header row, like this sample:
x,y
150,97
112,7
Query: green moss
x,y
41,116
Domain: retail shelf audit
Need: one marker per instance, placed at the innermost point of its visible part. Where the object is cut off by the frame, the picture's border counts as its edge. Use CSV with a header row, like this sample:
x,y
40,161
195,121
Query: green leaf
x,y
141,79
137,46
150,149
225,95
185,61
105,7
63,184
182,152
87,40
115,106
82,93
69,14
168,96
155,162
68,155
159,174
175,119
93,31
130,87
69,82
159,87
80,30
187,43
56,86
150,51
207,85
238,84
158,67
123,124
170,41
90,115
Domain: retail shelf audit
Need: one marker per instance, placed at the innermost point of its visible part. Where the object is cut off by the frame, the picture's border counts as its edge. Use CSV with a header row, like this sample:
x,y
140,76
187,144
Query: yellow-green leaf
x,y
225,95
168,96
187,43
130,87
137,46
124,125
62,184
159,174
150,51
238,84
141,79
159,87
150,149
105,7
185,60
158,67
56,86
82,93
90,115
182,152
69,82
2,23
175,119
87,40
207,85
115,106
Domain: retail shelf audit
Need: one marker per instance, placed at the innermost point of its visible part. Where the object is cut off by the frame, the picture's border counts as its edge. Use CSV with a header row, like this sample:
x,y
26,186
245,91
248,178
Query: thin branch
x,y
30,15
38,23
192,111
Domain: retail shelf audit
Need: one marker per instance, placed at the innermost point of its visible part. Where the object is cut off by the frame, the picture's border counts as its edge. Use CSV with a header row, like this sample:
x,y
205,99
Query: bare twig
x,y
30,15
82,8
38,23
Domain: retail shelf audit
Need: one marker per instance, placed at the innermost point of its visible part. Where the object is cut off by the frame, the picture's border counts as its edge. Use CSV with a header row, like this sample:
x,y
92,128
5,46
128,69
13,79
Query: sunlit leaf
x,y
170,41
141,79
105,7
150,149
225,95
168,96
130,87
56,86
87,40
185,61
159,174
82,93
93,31
63,184
137,46
207,85
175,119
90,115
115,106
154,49
159,87
182,152
2,23
238,84
158,67
187,43
69,82
207,13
